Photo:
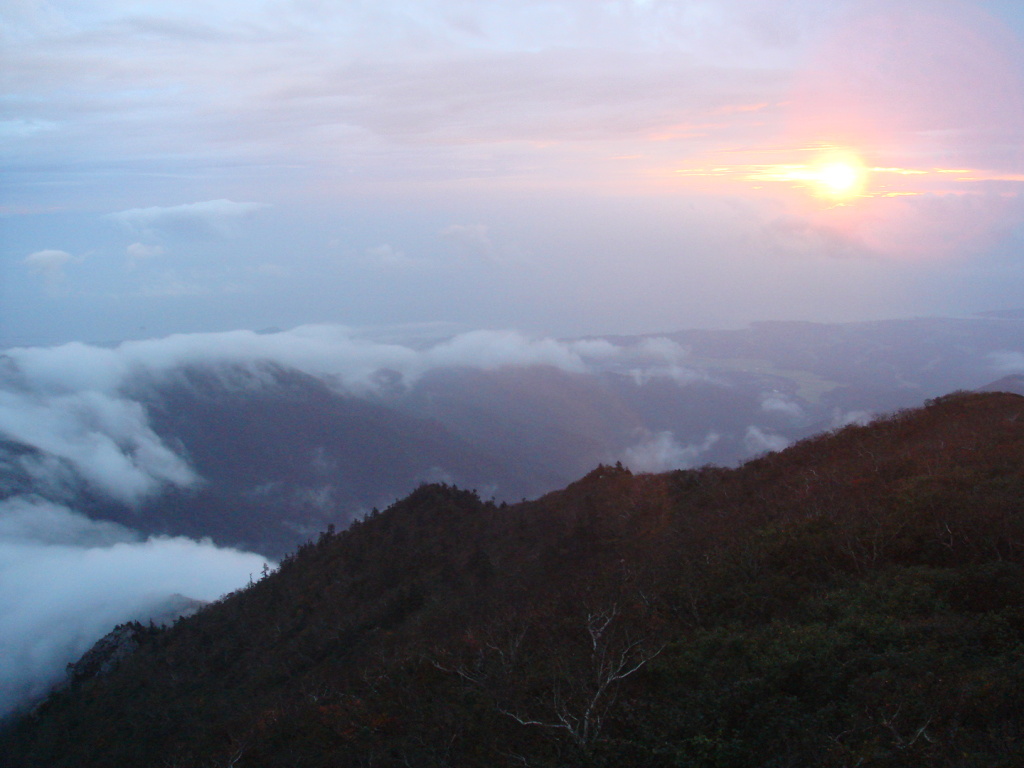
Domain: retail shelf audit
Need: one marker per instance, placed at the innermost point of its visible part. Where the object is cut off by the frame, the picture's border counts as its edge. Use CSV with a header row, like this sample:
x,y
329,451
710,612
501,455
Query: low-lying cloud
x,y
842,418
65,581
661,452
350,361
71,416
104,440
72,404
758,441
778,404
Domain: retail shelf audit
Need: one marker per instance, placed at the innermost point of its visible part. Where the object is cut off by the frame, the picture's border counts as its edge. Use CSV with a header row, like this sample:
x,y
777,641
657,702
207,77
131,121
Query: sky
x,y
558,167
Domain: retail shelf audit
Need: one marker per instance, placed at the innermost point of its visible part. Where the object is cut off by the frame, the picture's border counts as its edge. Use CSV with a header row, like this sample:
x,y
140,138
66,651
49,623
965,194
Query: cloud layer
x,y
71,412
68,418
65,581
661,452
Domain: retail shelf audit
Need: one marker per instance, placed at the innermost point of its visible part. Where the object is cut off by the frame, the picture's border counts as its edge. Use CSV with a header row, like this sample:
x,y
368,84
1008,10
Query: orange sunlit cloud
x,y
890,210
843,176
896,150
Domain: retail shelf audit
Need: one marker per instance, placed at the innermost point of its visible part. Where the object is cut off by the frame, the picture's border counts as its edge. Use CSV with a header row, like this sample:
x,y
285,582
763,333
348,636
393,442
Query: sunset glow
x,y
836,176
554,166
839,178
844,178
833,176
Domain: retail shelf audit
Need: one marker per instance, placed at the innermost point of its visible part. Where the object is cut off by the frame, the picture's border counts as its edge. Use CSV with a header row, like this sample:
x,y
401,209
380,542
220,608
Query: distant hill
x,y
1014,384
282,456
852,600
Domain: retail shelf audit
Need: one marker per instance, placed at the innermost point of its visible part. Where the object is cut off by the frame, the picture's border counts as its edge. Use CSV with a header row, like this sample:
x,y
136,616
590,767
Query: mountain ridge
x,y
854,598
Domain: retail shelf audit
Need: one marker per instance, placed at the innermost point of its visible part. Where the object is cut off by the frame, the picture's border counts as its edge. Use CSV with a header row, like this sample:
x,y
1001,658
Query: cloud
x,y
337,353
651,357
846,418
140,252
658,357
778,403
50,265
660,452
30,519
72,404
213,218
758,441
66,404
65,581
98,437
490,350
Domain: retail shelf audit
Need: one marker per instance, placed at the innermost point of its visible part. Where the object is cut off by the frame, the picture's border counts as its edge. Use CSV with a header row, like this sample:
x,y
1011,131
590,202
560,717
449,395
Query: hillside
x,y
853,600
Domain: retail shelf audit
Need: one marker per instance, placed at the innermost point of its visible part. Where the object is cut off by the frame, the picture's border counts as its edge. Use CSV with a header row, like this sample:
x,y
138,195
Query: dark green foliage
x,y
855,600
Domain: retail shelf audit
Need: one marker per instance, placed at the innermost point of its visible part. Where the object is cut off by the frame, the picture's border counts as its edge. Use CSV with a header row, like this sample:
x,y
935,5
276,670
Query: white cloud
x,y
490,350
70,402
50,265
658,357
595,349
652,357
212,218
845,419
137,252
65,581
778,403
66,403
30,519
105,439
335,352
660,452
758,441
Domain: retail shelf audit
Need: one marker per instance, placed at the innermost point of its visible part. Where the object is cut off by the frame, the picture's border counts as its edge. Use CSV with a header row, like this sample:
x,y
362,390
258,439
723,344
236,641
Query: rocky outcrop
x,y
121,642
108,652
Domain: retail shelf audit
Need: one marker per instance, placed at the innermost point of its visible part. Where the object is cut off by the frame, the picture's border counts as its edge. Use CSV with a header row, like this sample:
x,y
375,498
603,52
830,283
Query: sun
x,y
838,177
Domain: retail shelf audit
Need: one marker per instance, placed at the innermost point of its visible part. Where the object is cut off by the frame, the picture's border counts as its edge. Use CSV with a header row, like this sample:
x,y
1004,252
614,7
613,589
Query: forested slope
x,y
857,599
